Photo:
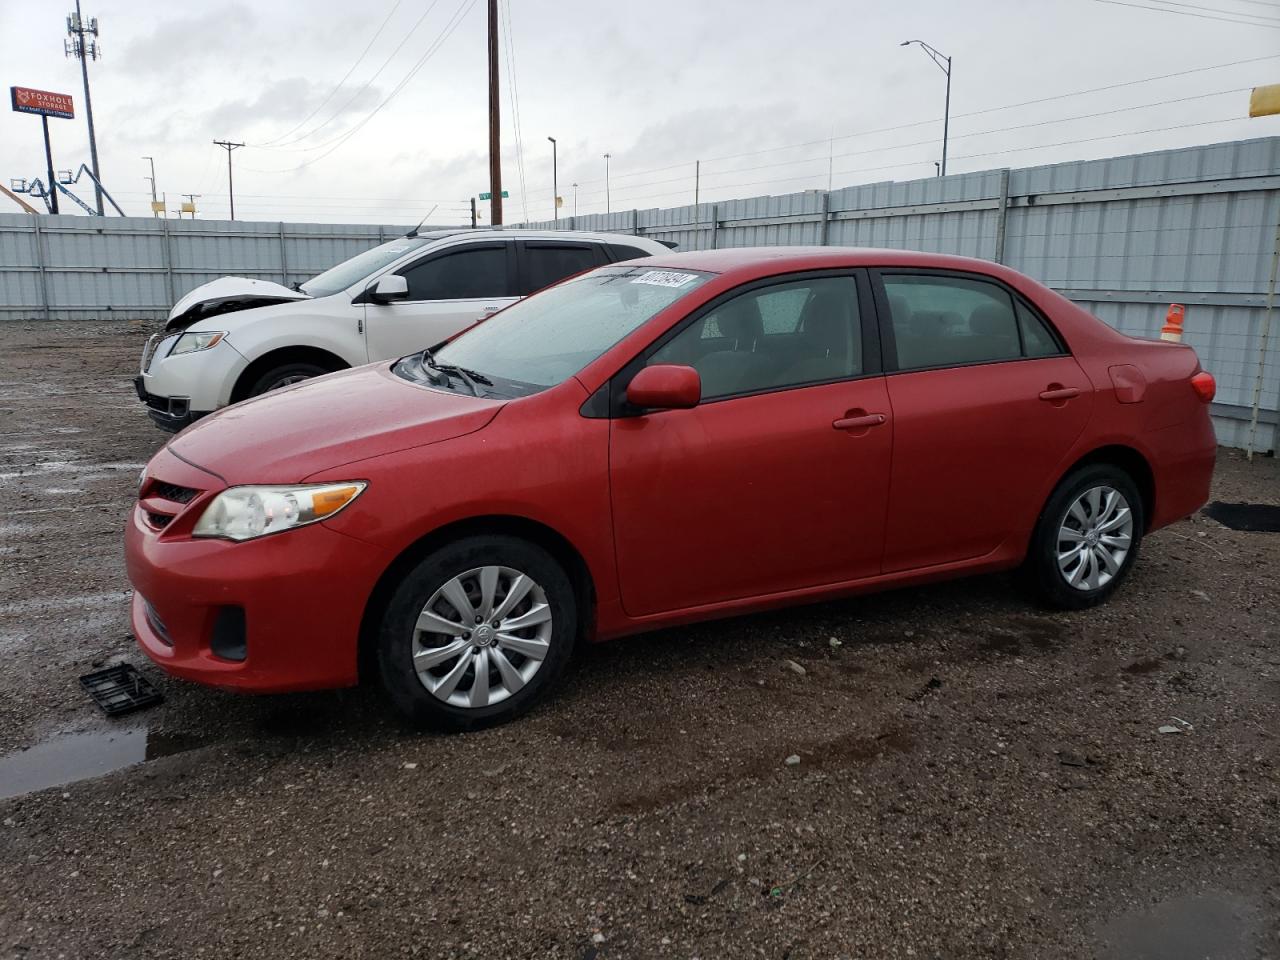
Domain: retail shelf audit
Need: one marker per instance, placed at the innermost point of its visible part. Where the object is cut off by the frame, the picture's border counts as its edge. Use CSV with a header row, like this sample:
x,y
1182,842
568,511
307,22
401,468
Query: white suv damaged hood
x,y
226,295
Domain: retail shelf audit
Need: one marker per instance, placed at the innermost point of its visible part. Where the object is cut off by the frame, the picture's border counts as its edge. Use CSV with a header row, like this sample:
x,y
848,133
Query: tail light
x,y
1205,386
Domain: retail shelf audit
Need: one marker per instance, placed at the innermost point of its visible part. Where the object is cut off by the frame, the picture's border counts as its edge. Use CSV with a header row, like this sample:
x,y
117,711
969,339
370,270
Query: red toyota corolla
x,y
651,443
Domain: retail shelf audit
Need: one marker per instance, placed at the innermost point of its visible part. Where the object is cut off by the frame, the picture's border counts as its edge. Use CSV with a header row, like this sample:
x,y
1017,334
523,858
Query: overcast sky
x,y
755,89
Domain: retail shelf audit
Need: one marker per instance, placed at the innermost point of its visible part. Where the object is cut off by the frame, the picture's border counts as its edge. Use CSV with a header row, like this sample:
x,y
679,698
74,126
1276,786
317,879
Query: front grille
x,y
158,520
173,492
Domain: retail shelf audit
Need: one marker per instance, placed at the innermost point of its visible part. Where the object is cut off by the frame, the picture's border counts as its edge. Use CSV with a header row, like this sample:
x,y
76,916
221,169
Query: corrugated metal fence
x,y
1125,237
75,268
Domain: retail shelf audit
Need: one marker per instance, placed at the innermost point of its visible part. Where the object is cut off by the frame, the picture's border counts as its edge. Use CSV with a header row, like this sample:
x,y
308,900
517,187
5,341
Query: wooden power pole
x,y
495,128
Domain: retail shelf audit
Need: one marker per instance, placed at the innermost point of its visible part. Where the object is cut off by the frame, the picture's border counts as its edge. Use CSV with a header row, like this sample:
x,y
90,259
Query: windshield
x,y
361,265
544,340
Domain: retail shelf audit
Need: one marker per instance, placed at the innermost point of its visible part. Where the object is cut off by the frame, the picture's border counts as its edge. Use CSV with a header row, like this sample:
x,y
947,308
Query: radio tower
x,y
85,50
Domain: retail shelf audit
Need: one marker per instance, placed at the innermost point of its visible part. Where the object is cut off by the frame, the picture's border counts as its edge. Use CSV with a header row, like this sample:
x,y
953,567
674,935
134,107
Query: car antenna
x,y
414,231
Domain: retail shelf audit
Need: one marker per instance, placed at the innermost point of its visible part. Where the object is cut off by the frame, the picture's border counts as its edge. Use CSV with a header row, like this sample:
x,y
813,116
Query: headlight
x,y
191,342
242,513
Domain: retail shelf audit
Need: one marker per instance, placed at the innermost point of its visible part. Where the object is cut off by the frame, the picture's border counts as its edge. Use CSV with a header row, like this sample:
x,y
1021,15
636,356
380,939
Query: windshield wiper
x,y
469,377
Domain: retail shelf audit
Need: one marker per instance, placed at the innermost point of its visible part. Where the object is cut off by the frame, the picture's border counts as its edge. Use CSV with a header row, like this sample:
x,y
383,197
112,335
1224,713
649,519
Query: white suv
x,y
235,338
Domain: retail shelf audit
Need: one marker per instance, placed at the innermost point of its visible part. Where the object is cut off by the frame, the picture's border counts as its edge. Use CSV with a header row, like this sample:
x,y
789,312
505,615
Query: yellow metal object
x,y
157,206
1265,101
188,208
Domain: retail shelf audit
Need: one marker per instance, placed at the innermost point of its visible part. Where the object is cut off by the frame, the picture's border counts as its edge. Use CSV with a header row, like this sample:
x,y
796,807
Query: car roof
x,y
489,233
763,261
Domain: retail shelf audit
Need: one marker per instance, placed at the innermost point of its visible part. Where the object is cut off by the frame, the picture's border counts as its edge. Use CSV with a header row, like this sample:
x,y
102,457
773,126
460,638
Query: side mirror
x,y
665,387
389,288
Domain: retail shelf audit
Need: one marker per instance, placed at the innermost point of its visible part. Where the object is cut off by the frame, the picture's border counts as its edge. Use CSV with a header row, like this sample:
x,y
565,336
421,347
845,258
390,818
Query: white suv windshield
x,y
544,340
361,265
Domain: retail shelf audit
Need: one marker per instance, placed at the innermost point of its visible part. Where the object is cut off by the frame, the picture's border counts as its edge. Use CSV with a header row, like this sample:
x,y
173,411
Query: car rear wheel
x,y
476,633
1087,538
285,375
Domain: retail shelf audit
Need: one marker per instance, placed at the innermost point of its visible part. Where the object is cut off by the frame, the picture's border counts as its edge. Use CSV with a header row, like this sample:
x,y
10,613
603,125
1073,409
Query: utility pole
x,y
473,213
78,47
606,182
154,212
697,180
48,160
495,127
555,190
228,146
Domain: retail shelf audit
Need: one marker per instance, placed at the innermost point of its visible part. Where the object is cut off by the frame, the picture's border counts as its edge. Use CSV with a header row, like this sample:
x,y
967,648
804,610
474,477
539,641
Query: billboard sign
x,y
27,100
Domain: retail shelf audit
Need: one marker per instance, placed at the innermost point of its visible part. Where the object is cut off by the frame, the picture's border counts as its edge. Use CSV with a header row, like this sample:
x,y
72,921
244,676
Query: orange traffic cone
x,y
1172,329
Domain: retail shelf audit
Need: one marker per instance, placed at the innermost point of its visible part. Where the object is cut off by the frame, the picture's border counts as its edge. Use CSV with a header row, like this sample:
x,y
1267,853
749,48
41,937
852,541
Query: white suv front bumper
x,y
179,390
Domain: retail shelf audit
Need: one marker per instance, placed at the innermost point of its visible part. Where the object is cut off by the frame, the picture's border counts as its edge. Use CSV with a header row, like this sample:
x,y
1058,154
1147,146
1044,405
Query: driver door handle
x,y
1059,393
860,422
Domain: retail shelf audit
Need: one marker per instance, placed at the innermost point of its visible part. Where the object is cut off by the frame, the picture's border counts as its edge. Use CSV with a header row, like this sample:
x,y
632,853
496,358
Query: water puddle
x,y
71,757
1210,926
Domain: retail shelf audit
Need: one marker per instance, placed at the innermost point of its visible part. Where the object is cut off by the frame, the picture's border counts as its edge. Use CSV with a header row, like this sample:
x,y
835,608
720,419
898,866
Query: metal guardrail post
x,y
284,257
715,226
168,260
1002,216
635,223
44,276
1262,351
826,219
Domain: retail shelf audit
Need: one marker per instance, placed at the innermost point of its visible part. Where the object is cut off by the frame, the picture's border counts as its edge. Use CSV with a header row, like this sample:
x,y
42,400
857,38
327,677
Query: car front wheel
x,y
1087,538
285,375
476,633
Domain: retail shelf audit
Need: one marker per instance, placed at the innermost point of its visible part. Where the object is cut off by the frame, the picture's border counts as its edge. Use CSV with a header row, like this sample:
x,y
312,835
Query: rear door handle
x,y
859,423
1059,393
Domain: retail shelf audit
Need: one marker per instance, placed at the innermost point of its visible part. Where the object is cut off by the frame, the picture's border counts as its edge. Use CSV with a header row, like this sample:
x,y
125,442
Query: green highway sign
x,y
489,196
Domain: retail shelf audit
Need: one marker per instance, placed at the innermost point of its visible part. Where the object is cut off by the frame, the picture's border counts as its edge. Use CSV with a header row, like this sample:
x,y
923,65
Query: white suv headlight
x,y
242,513
191,342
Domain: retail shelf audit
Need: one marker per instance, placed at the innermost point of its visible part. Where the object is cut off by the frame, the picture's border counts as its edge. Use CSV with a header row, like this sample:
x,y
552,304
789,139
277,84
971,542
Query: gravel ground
x,y
976,777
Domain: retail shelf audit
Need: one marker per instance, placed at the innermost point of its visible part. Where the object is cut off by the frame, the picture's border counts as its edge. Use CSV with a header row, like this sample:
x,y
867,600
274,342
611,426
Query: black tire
x,y
396,634
285,375
1041,571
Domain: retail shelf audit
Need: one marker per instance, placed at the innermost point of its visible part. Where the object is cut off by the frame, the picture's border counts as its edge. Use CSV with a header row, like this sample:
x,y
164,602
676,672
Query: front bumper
x,y
298,597
167,413
178,390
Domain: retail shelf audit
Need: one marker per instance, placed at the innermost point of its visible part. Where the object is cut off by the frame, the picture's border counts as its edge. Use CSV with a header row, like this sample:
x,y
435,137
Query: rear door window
x,y
548,263
948,321
470,273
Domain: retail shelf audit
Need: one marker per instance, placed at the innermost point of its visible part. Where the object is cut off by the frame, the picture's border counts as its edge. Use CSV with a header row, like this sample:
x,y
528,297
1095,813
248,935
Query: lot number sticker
x,y
665,278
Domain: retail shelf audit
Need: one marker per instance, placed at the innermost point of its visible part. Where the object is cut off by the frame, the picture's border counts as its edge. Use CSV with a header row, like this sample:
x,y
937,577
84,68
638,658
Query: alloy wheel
x,y
1094,538
482,636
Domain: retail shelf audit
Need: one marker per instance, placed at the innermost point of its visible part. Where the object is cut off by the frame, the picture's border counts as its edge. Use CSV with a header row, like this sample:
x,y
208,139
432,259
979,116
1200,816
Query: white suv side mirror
x,y
389,288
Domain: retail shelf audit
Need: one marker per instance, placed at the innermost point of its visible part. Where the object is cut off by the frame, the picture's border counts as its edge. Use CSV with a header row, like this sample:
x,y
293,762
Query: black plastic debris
x,y
120,689
1253,517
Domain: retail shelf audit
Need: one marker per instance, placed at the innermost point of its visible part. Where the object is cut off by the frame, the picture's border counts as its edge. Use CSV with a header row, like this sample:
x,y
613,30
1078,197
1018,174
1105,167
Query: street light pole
x,y
555,189
944,64
606,182
575,201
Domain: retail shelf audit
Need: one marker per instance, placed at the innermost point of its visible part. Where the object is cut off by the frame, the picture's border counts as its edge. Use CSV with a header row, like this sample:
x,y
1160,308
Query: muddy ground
x,y
977,777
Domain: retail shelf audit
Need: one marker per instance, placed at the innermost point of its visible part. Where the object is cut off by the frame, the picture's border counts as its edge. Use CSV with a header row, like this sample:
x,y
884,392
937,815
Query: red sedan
x,y
689,436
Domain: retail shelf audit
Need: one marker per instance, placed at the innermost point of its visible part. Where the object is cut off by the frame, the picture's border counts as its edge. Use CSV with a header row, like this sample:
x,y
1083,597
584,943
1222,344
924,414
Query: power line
x,y
1184,13
332,93
1196,6
355,96
460,14
918,143
505,8
919,123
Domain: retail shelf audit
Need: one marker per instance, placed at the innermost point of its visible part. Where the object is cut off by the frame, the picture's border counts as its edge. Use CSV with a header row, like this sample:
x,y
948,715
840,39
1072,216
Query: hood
x,y
288,435
227,295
